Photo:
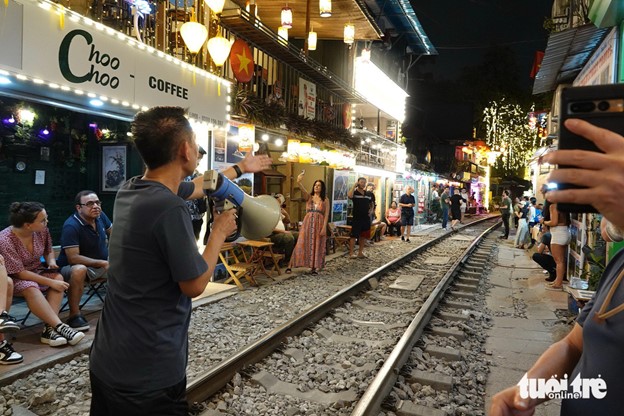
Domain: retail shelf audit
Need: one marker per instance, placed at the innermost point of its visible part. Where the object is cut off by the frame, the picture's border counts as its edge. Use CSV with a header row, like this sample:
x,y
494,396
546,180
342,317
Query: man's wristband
x,y
238,170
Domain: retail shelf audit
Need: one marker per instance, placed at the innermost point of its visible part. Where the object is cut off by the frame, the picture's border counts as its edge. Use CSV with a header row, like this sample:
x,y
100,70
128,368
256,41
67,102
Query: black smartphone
x,y
600,105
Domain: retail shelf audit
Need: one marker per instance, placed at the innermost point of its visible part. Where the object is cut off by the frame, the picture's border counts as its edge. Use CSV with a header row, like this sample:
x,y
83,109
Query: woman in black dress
x,y
456,201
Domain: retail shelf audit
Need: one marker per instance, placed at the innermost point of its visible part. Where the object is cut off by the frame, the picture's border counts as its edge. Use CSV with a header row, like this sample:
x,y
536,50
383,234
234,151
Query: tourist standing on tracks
x,y
361,224
7,322
435,207
456,204
310,248
505,209
23,244
139,354
407,202
592,351
445,202
84,251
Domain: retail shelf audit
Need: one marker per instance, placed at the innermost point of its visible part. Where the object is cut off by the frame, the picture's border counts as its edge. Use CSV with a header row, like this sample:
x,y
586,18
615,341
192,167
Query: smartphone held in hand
x,y
600,105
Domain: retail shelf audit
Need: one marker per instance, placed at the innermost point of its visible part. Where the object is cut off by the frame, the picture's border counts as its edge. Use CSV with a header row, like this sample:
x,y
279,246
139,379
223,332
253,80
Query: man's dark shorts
x,y
93,273
361,228
407,218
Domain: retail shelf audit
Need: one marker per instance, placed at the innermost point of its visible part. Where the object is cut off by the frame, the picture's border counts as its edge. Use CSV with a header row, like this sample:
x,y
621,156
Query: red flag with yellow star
x,y
241,61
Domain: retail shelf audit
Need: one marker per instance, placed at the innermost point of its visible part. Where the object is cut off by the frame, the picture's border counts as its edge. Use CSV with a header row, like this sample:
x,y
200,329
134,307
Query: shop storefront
x,y
83,82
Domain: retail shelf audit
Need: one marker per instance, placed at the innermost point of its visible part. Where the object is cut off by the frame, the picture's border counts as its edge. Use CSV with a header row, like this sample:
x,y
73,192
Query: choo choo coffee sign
x,y
87,56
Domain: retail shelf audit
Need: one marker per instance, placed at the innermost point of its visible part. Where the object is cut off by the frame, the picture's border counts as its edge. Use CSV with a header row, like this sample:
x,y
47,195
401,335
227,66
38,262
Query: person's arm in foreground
x,y
224,225
559,359
250,164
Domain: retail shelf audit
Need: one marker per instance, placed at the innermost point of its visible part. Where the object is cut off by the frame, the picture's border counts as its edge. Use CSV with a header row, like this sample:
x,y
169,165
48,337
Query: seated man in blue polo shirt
x,y
84,251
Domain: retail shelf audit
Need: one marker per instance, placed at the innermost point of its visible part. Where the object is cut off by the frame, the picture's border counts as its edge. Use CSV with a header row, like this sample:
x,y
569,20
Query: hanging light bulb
x,y
282,32
219,48
194,35
325,8
215,5
312,40
287,17
349,33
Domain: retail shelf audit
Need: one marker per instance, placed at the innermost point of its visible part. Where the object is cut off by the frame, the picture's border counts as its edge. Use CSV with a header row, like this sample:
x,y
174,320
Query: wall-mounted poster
x,y
307,99
340,200
231,147
113,164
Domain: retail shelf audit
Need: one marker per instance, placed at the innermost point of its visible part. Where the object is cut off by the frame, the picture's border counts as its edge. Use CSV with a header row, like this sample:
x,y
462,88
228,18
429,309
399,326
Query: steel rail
x,y
385,379
216,377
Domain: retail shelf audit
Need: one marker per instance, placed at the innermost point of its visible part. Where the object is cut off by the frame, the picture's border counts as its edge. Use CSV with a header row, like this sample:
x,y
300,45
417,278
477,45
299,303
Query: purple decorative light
x,y
93,125
10,120
44,134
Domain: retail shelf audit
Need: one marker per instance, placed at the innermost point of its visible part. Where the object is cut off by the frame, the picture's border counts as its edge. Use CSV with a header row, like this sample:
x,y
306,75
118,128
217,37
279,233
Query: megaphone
x,y
257,216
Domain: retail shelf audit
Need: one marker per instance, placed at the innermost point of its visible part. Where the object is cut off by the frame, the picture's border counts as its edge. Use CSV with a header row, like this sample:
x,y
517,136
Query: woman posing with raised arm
x,y
310,248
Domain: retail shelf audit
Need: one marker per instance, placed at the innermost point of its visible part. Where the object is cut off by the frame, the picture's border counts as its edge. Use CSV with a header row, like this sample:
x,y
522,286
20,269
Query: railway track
x,y
346,353
231,336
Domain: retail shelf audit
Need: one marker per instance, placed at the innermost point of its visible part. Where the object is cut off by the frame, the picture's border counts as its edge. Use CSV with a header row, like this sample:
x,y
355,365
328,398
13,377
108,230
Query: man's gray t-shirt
x,y
602,348
141,341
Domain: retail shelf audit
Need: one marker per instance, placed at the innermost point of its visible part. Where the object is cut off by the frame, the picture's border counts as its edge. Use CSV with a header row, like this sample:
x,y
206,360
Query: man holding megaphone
x,y
139,354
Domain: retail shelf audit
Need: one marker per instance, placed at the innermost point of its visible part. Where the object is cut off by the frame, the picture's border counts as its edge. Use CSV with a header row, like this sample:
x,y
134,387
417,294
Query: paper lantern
x,y
325,8
219,48
282,33
312,41
349,33
287,17
215,5
194,35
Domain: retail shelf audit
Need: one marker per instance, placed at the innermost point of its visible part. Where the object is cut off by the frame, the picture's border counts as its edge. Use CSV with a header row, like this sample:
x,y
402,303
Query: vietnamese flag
x,y
537,63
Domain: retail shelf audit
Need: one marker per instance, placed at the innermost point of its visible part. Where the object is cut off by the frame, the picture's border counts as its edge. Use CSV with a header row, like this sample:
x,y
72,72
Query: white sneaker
x,y
73,337
8,354
51,337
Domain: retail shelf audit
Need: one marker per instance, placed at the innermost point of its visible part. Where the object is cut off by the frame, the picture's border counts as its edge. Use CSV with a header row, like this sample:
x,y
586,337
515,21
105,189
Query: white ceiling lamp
x,y
287,17
312,38
325,8
349,33
215,5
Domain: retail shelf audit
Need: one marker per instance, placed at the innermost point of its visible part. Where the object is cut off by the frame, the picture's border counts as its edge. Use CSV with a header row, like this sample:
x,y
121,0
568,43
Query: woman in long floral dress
x,y
310,248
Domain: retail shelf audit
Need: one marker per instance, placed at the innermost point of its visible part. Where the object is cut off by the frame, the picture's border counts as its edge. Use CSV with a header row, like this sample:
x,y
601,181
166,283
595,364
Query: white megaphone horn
x,y
258,216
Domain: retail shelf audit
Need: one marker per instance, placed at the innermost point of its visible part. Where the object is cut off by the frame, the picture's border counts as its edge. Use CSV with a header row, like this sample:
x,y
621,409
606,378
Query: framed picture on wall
x,y
113,167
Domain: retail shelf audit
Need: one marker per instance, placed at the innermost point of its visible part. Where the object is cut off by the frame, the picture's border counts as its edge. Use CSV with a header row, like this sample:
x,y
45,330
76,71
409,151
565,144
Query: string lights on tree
x,y
508,132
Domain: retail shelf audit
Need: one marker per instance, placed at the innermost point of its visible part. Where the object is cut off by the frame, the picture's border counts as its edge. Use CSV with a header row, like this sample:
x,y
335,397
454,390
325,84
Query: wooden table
x,y
261,250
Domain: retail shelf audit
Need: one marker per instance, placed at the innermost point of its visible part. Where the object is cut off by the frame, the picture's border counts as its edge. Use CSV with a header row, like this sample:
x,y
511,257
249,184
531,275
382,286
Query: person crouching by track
x,y
310,248
362,207
23,244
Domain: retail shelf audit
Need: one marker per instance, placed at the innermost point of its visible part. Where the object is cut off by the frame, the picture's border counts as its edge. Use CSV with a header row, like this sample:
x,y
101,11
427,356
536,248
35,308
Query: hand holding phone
x,y
600,105
600,174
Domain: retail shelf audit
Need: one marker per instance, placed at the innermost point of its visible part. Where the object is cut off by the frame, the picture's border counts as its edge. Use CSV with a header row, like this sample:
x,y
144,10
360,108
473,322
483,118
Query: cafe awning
x,y
566,54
